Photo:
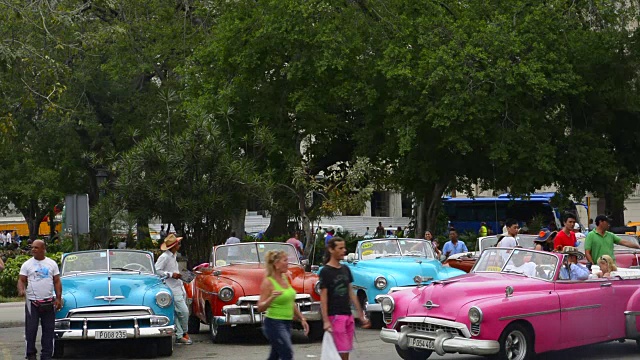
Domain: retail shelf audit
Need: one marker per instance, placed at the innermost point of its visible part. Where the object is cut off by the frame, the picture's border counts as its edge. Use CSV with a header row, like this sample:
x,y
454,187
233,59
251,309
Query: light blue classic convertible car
x,y
114,295
380,266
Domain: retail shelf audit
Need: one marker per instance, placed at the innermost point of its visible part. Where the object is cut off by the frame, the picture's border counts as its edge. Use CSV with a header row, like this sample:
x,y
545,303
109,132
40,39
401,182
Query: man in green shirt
x,y
600,241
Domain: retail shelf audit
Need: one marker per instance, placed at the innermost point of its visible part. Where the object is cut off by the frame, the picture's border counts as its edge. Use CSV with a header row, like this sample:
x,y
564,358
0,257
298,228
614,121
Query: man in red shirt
x,y
566,236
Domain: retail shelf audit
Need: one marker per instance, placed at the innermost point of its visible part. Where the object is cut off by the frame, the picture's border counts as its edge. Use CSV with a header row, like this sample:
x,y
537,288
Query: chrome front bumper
x,y
246,311
136,332
443,342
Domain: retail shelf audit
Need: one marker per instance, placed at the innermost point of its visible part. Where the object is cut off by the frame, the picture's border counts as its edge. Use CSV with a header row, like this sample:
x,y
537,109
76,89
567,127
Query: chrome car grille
x,y
110,311
475,329
249,304
109,317
426,327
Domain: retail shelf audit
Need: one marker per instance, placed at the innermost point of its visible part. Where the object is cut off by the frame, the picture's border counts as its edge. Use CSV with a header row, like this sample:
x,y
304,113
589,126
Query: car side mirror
x,y
351,258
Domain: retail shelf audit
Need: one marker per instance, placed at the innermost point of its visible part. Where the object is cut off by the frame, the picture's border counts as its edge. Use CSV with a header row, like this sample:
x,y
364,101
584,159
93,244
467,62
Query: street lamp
x,y
101,176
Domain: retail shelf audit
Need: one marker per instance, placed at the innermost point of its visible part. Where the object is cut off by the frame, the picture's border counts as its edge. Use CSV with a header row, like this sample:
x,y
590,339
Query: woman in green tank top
x,y
278,299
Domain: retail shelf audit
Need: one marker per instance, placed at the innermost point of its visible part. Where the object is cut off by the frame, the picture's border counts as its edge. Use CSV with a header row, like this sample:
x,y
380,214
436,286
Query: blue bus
x,y
466,214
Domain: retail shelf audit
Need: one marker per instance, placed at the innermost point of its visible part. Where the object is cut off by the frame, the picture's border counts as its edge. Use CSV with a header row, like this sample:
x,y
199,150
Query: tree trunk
x,y
277,226
420,215
306,223
237,221
142,228
614,207
52,224
433,203
34,227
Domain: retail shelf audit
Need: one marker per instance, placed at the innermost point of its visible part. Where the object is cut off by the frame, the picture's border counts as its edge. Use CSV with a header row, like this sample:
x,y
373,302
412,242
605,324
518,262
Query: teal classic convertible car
x,y
380,266
114,295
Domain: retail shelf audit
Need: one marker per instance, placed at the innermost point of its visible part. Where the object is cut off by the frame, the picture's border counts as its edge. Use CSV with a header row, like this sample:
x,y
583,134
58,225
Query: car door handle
x,y
605,285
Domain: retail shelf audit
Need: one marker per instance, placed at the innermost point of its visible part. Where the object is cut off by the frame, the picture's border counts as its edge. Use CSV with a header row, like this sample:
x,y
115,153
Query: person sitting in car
x,y
571,269
518,264
607,265
544,241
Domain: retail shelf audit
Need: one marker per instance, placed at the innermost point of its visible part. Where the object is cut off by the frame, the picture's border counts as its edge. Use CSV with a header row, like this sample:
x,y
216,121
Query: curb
x,y
12,304
11,324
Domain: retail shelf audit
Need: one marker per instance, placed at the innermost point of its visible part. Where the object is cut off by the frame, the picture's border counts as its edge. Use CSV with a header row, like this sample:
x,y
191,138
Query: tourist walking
x,y
277,298
336,298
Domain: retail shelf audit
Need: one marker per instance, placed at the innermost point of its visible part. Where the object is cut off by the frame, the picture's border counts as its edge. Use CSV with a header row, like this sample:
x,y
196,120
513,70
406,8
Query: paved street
x,y
251,346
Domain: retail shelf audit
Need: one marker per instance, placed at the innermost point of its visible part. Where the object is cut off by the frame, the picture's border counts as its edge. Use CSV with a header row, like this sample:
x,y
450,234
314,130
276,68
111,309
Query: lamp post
x,y
101,176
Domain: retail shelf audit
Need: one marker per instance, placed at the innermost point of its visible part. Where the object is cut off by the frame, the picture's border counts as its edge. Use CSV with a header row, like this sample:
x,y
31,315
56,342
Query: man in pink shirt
x,y
295,241
566,236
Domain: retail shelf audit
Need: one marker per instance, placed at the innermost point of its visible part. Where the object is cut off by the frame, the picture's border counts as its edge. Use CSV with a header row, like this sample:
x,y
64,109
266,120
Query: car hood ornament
x,y
430,305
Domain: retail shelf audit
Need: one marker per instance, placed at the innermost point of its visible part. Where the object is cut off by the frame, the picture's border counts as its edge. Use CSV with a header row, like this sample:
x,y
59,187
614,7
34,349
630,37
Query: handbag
x,y
329,350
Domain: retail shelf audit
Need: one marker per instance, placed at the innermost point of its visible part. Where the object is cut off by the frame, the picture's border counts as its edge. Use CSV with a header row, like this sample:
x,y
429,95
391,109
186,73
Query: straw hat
x,y
170,241
572,250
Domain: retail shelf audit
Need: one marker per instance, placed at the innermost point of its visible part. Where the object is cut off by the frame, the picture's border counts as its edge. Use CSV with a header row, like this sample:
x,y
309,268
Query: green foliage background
x,y
9,276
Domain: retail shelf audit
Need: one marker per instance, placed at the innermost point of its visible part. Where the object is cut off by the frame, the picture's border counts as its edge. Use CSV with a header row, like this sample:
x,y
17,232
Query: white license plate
x,y
111,335
421,343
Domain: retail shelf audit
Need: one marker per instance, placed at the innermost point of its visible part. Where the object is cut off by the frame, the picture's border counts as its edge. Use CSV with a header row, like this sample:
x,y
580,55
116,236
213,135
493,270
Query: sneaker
x,y
184,340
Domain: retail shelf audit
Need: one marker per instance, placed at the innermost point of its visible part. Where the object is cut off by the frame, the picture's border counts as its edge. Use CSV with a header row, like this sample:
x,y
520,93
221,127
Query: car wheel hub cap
x,y
515,346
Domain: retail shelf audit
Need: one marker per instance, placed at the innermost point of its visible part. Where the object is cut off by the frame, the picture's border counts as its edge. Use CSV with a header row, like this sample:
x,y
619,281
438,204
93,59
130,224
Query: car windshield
x,y
524,240
395,247
96,261
517,261
245,253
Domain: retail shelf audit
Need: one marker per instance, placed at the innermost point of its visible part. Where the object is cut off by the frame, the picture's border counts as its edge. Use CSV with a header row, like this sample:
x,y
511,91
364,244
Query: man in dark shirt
x,y
336,297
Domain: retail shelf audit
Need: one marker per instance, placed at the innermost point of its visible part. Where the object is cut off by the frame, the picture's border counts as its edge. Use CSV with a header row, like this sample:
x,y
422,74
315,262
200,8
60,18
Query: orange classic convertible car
x,y
225,291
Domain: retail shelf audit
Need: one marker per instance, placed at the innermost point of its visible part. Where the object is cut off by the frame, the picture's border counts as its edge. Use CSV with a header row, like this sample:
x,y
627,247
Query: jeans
x,y
278,332
182,315
33,318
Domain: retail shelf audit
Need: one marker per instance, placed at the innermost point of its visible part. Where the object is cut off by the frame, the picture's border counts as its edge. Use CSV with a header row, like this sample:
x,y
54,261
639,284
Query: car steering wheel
x,y
136,267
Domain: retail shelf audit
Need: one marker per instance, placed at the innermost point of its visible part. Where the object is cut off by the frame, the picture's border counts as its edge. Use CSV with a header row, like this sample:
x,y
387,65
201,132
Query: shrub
x,y
9,276
64,246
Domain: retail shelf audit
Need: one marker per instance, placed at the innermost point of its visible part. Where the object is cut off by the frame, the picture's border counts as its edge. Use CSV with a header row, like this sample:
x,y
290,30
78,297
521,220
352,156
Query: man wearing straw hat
x,y
571,268
167,265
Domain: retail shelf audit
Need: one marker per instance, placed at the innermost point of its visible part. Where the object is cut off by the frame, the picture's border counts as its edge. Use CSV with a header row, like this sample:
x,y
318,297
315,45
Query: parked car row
x,y
422,305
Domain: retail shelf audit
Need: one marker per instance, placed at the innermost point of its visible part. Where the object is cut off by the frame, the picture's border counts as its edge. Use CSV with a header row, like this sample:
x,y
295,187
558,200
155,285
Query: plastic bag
x,y
329,350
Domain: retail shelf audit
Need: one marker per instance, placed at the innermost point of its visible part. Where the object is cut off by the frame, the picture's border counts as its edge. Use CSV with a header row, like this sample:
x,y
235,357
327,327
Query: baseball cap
x,y
600,218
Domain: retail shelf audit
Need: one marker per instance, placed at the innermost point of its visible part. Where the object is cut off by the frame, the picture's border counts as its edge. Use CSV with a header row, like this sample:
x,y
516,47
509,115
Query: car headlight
x,y
62,325
316,287
475,315
163,299
226,294
387,304
380,282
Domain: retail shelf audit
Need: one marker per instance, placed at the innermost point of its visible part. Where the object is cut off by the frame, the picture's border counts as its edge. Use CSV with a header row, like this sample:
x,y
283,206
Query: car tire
x,y
194,325
516,343
375,318
218,334
164,346
412,354
316,330
58,349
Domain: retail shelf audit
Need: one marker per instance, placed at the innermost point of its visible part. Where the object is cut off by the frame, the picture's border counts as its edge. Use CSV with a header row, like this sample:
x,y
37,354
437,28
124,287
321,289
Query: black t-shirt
x,y
336,281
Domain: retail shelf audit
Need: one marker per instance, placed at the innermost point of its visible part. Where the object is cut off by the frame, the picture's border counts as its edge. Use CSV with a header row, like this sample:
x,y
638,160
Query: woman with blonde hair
x,y
277,298
606,264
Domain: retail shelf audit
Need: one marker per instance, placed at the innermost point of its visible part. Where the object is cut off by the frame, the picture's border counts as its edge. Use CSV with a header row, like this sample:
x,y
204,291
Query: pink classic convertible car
x,y
512,305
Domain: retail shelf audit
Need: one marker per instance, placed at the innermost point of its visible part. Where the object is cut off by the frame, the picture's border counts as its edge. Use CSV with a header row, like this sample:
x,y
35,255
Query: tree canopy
x,y
196,107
